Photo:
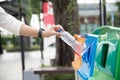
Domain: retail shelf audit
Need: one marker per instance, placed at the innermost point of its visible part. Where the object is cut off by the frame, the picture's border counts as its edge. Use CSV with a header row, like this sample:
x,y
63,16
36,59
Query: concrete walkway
x,y
10,63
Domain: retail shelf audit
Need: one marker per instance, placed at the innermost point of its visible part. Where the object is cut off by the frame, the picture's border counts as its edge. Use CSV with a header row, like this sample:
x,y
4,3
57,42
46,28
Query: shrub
x,y
59,77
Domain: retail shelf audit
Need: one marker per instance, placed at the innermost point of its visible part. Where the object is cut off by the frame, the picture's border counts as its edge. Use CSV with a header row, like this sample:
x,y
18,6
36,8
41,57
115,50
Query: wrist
x,y
40,33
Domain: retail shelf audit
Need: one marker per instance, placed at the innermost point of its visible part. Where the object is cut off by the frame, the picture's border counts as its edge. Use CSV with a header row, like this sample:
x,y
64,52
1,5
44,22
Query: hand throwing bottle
x,y
70,40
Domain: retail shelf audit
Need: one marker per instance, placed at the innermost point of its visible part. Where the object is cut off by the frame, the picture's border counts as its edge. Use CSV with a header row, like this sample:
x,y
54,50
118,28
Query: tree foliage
x,y
35,4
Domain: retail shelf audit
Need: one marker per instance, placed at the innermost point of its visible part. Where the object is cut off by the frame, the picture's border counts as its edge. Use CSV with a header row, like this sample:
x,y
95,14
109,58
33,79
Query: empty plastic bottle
x,y
70,40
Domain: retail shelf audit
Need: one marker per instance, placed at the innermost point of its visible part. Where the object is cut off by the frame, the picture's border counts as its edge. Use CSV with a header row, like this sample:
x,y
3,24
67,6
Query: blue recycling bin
x,y
87,68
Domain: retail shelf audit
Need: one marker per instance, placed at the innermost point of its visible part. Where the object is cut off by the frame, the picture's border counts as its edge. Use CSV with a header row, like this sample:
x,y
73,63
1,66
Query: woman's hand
x,y
52,31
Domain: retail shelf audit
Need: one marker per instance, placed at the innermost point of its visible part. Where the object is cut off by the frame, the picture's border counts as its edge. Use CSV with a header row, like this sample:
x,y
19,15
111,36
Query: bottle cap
x,y
60,30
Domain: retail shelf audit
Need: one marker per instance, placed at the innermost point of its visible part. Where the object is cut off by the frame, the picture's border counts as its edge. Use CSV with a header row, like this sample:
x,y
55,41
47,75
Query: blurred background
x,y
36,52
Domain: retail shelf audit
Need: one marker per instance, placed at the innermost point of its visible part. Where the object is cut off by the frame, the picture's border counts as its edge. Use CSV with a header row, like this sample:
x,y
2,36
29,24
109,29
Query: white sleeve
x,y
10,23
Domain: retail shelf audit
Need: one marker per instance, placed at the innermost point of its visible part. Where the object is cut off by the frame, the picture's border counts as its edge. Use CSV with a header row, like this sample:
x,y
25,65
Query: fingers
x,y
58,34
57,27
53,30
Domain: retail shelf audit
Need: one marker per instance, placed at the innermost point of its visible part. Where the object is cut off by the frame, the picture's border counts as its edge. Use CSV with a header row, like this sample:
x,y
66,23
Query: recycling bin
x,y
107,60
85,71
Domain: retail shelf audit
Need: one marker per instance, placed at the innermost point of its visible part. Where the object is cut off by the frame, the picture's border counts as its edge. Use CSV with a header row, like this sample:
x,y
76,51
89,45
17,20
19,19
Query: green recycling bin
x,y
107,61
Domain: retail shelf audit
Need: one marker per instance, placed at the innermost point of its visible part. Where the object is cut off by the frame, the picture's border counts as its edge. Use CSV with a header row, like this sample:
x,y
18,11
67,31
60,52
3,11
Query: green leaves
x,y
35,4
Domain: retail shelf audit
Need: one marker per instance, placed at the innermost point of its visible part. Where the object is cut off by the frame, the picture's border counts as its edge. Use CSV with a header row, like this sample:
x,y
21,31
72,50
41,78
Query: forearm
x,y
28,31
15,26
33,32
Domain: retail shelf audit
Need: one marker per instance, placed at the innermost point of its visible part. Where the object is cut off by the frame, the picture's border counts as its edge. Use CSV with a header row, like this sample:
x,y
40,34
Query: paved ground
x,y
10,63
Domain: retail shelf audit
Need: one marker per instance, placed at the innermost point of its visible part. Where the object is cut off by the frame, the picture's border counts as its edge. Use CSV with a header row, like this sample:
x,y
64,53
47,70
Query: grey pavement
x,y
10,62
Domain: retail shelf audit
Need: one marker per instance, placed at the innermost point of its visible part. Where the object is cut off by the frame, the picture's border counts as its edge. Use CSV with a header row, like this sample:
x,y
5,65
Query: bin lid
x,y
107,33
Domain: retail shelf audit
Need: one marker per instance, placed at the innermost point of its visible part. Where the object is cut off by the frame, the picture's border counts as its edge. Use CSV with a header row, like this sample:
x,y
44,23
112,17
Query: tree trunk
x,y
66,14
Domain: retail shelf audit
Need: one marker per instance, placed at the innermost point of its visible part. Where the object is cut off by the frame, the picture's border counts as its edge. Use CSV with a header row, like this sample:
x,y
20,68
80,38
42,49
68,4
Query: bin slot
x,y
88,56
104,55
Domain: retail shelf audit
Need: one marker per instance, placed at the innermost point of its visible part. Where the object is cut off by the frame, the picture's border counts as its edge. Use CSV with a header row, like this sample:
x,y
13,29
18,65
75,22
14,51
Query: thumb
x,y
58,34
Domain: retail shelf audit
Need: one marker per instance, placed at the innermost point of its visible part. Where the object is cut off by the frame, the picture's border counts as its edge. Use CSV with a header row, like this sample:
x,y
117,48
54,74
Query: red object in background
x,y
48,17
45,7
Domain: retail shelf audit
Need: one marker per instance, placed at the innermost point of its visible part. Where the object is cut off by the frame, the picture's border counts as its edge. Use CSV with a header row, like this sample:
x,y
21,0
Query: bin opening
x,y
88,57
104,55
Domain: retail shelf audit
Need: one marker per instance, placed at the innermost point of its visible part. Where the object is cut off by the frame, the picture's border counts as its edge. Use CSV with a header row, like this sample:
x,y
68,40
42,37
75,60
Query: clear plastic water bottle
x,y
70,40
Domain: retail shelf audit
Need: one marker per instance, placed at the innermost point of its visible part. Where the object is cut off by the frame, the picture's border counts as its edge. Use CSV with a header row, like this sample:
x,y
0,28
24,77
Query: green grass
x,y
59,77
11,48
